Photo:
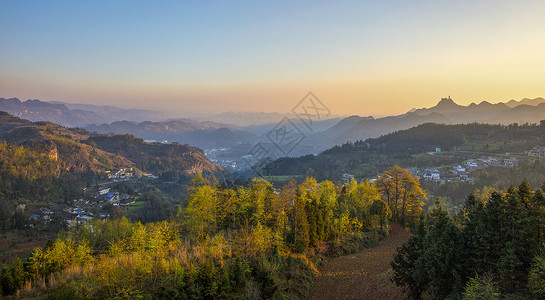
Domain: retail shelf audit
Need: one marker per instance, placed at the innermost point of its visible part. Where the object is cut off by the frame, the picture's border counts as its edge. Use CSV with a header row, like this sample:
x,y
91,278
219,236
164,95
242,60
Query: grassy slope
x,y
364,275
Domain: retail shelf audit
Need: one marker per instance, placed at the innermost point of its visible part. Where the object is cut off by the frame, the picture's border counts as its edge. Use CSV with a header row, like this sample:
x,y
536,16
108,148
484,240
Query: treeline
x,y
493,248
426,137
374,155
225,243
294,218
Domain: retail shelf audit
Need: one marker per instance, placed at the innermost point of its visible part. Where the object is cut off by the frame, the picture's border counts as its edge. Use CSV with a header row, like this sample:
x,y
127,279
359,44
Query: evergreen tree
x,y
408,265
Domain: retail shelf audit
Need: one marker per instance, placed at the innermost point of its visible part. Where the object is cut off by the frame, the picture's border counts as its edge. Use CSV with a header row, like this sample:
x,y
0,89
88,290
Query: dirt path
x,y
364,275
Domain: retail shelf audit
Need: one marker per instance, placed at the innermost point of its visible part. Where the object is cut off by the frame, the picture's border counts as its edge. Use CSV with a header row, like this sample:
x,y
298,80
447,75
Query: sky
x,y
359,57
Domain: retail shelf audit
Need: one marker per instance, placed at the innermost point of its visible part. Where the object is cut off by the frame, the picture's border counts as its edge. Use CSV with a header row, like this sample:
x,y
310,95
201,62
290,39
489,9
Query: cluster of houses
x,y
431,174
83,210
106,196
120,174
126,174
491,161
461,173
538,151
442,175
70,215
217,156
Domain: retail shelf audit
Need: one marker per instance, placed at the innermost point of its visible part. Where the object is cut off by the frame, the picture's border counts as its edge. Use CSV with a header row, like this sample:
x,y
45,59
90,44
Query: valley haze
x,y
304,149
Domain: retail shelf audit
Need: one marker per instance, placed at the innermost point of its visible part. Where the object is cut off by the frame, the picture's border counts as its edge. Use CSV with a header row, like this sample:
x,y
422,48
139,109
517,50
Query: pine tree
x,y
441,256
408,266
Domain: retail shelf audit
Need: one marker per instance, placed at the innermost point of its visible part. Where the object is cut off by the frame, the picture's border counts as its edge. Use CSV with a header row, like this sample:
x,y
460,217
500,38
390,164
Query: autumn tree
x,y
381,209
402,192
200,216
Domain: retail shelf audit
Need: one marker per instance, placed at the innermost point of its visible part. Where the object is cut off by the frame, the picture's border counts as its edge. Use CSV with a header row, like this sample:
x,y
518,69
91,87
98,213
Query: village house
x,y
432,175
492,161
511,162
347,177
472,164
538,151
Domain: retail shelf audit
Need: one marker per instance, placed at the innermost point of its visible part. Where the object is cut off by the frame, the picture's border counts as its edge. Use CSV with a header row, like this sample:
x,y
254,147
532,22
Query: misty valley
x,y
381,150
180,208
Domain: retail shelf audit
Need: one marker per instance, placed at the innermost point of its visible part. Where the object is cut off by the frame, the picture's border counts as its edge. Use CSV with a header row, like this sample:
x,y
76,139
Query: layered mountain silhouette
x,y
356,128
74,115
252,127
200,134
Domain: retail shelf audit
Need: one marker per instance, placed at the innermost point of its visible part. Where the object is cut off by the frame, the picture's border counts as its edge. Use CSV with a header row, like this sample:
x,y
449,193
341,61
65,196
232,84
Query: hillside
x,y
363,275
155,157
366,158
43,164
59,143
83,151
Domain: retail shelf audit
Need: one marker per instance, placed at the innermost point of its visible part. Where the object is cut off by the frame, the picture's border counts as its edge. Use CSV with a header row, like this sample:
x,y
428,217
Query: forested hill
x,y
372,156
427,137
59,143
155,157
82,151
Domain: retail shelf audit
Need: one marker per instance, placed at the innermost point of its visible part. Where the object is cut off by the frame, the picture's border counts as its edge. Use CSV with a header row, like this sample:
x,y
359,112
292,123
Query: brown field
x,y
15,245
364,275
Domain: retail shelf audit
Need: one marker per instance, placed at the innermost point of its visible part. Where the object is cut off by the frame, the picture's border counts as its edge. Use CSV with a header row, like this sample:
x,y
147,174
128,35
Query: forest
x,y
492,249
259,240
245,242
366,159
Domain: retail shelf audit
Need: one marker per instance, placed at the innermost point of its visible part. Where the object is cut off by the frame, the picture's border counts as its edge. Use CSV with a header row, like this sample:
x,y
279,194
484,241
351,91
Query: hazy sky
x,y
359,57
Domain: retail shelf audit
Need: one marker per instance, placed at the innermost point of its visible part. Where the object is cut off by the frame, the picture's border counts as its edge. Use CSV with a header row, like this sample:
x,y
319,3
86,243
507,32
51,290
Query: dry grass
x,y
364,275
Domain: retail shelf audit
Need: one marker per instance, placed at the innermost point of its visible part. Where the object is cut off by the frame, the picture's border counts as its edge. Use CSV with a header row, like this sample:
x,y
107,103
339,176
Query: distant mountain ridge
x,y
251,127
74,115
113,113
484,112
200,134
446,111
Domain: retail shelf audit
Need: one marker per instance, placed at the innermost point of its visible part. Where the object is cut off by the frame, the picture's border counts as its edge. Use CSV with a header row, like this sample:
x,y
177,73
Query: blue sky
x,y
364,57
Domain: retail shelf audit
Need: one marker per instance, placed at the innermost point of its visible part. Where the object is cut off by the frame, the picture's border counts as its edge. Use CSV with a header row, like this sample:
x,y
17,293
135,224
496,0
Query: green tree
x,y
201,212
408,266
301,236
481,288
441,255
536,276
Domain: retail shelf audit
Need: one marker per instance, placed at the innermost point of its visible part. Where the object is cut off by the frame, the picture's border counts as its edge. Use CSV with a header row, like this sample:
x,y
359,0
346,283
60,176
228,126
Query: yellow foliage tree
x,y
402,193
